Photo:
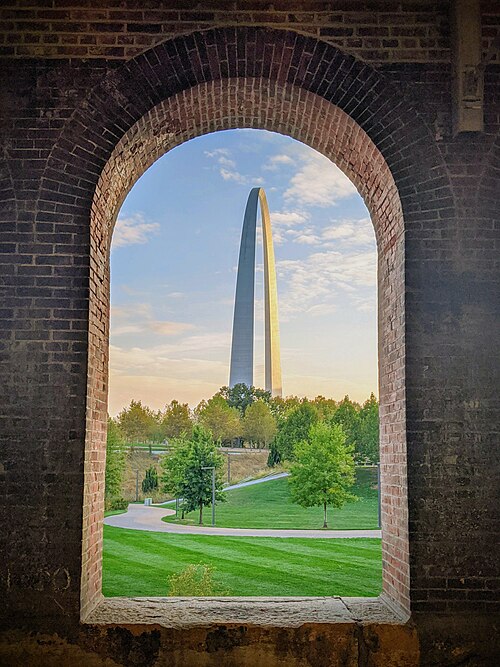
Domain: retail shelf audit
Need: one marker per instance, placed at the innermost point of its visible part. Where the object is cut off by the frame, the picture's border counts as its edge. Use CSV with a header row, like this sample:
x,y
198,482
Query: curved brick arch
x,y
403,175
260,103
132,90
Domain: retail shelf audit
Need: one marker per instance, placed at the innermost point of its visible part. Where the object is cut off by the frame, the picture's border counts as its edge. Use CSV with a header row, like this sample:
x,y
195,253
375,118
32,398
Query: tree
x,y
292,430
241,396
150,481
184,470
259,425
222,421
347,415
326,407
156,433
137,422
177,420
368,448
173,466
115,461
281,407
323,471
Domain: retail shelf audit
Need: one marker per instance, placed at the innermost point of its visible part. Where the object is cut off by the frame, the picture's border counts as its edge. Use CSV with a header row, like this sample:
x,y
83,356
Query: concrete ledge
x,y
224,632
277,612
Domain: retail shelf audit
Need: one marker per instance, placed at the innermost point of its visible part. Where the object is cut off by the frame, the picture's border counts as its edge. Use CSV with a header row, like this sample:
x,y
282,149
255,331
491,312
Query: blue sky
x,y
173,272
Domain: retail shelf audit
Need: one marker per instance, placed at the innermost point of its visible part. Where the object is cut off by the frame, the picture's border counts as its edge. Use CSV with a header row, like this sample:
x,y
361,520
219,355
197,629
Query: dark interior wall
x,y
451,298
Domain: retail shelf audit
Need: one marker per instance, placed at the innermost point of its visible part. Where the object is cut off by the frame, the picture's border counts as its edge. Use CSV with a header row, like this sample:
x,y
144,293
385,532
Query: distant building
x,y
244,305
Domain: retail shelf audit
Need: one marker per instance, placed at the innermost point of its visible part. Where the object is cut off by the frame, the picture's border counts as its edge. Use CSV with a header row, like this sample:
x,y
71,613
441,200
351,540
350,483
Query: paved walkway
x,y
240,485
140,517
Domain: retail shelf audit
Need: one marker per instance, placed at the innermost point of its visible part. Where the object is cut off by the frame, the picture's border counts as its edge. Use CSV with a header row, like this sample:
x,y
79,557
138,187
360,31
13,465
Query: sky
x,y
174,259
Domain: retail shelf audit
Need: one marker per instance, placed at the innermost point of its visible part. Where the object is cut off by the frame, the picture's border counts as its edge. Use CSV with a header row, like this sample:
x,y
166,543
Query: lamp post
x,y
212,468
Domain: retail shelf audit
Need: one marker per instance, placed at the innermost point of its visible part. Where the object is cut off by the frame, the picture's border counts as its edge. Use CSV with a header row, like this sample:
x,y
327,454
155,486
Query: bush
x,y
150,481
111,504
194,580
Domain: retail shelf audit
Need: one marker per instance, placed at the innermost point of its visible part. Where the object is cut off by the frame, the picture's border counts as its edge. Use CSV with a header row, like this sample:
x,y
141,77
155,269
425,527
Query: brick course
x,y
382,31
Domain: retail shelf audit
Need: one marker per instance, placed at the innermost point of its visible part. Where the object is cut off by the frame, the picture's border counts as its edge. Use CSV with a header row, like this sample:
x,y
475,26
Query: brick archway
x,y
282,108
228,78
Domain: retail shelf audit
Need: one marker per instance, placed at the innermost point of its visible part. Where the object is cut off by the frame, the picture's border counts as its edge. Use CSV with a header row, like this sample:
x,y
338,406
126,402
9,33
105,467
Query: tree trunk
x,y
325,524
201,514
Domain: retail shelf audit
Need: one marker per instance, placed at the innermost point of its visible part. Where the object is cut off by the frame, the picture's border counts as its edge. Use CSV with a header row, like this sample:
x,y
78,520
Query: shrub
x,y
150,481
111,504
194,580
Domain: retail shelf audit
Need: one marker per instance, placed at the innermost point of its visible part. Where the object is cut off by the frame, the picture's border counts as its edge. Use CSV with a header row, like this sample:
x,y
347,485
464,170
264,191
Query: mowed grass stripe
x,y
269,505
138,563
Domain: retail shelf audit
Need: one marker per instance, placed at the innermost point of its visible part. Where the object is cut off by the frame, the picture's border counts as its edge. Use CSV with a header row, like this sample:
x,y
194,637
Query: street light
x,y
212,468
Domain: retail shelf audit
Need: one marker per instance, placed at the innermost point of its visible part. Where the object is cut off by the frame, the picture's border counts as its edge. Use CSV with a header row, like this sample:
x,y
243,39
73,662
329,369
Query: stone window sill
x,y
276,612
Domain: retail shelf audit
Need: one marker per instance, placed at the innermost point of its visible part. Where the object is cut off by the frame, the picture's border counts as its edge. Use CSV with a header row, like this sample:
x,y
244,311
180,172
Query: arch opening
x,y
290,110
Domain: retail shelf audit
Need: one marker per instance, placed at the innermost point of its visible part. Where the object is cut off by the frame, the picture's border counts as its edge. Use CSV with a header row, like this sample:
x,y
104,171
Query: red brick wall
x,y
279,107
62,121
380,31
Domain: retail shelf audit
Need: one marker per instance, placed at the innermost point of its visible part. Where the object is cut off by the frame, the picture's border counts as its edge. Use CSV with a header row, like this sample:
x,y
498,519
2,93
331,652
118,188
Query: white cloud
x,y
318,182
200,350
169,328
217,153
276,161
132,230
232,176
138,318
315,284
351,232
288,218
306,238
228,170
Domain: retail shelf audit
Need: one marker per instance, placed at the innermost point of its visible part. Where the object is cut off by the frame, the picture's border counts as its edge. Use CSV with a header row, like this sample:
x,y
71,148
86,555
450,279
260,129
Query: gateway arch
x,y
243,323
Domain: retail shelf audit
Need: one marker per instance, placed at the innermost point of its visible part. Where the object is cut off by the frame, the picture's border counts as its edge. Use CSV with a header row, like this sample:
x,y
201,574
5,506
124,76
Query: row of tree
x,y
246,414
316,443
322,472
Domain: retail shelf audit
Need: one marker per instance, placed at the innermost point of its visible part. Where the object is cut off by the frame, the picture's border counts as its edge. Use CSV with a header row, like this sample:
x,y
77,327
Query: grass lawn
x,y
138,563
268,505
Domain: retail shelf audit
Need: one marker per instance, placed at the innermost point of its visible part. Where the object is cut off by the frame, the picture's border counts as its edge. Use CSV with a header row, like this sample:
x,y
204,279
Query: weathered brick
x,y
434,203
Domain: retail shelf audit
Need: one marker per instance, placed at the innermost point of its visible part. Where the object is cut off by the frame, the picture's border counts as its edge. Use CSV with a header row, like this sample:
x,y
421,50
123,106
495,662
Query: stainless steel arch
x,y
242,347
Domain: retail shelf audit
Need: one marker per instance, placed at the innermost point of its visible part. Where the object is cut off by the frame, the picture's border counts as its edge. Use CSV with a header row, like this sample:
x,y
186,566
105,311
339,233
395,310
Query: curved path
x,y
141,517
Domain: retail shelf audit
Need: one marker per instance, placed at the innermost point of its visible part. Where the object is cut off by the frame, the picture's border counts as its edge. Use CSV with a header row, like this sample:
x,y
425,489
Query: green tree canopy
x,y
176,420
347,415
220,419
259,425
292,430
326,407
368,448
323,471
137,422
281,407
241,396
184,474
115,461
